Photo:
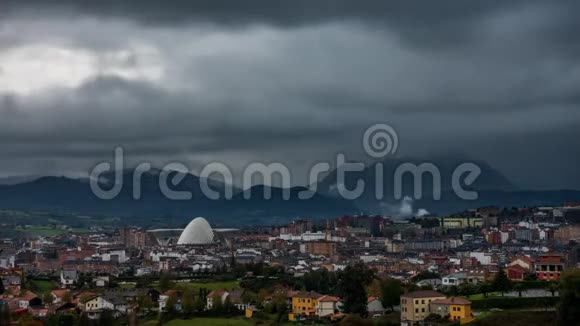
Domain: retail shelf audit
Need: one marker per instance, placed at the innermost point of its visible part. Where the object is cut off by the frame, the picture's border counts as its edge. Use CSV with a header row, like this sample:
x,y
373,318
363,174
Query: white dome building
x,y
197,232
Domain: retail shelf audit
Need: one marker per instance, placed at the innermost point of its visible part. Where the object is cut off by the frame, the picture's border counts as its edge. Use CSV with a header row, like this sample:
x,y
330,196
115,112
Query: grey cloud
x,y
299,81
431,23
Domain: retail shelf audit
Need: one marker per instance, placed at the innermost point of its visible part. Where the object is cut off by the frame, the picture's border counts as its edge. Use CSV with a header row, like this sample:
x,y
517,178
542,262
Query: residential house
x,y
101,281
375,306
236,298
453,308
68,278
164,299
327,305
549,267
435,283
415,305
216,295
58,296
523,261
304,304
28,299
516,272
96,304
12,282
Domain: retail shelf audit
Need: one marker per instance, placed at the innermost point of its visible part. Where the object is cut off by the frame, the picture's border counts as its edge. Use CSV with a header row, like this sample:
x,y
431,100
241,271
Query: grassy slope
x,y
205,322
517,318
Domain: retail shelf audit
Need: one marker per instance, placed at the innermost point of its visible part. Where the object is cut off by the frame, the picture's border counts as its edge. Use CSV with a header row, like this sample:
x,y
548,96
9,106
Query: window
x,y
422,301
416,301
423,310
416,310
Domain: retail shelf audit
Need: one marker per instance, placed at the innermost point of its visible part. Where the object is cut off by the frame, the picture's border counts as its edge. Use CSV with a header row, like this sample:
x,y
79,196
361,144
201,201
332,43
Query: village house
x,y
415,305
375,306
327,305
453,308
304,304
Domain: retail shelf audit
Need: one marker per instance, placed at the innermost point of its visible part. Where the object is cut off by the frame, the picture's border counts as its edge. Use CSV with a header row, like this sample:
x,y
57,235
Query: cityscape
x,y
433,270
305,162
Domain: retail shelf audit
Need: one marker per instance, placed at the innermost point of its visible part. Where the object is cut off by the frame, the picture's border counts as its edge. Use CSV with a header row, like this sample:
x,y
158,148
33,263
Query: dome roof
x,y
197,231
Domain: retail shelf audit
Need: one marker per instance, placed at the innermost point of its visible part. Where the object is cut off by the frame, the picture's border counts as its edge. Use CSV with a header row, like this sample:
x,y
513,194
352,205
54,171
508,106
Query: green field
x,y
205,322
47,231
127,285
517,318
195,286
42,286
480,296
210,285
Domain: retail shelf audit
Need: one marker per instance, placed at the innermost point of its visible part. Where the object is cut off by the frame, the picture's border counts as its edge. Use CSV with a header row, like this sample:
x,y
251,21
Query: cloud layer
x,y
296,82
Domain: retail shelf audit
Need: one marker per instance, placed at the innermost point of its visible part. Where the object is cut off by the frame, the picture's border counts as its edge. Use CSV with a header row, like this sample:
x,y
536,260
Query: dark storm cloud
x,y
293,81
428,23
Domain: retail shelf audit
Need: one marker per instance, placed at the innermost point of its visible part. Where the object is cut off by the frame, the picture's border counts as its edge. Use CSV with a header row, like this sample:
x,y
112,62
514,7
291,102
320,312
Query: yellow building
x,y
415,305
453,222
454,308
304,304
250,312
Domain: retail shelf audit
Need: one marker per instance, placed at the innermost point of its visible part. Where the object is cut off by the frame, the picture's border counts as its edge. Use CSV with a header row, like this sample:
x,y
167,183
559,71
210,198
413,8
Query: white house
x,y
375,306
327,305
221,294
68,278
106,302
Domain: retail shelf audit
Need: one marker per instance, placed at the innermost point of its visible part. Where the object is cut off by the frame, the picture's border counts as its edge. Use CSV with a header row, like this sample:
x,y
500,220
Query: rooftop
x,y
423,294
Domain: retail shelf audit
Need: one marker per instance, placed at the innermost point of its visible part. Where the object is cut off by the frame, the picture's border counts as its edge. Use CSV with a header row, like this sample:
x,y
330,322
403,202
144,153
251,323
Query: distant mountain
x,y
18,179
492,186
490,178
64,195
73,196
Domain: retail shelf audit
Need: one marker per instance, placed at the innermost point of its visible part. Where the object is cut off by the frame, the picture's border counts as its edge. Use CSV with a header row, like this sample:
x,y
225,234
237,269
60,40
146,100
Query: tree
x,y
188,300
569,307
453,290
530,277
145,302
391,293
410,287
375,289
4,313
107,318
519,287
199,304
466,289
66,297
47,298
553,287
501,282
250,297
171,302
165,282
352,282
229,307
217,305
484,288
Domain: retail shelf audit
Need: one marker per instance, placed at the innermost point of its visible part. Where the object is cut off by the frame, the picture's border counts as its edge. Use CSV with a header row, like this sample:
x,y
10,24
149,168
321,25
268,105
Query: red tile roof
x,y
371,299
329,298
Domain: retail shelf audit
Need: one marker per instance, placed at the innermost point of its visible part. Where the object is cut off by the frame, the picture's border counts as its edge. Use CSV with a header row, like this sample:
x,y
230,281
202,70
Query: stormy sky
x,y
290,81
